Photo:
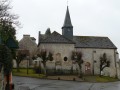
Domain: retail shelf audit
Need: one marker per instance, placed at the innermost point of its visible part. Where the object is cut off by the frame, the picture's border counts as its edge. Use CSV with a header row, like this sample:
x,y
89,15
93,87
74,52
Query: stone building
x,y
92,48
28,43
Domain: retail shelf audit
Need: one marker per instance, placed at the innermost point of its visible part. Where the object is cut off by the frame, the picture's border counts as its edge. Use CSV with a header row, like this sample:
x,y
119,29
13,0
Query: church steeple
x,y
67,21
67,29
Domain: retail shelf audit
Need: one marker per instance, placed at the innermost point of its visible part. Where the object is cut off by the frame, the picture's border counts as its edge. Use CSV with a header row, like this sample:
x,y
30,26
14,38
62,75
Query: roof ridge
x,y
90,36
92,41
55,33
55,37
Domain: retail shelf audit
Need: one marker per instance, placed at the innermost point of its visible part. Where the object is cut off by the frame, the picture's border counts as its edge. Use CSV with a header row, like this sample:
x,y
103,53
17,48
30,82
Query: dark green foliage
x,y
12,43
6,31
37,70
7,34
8,21
104,62
6,59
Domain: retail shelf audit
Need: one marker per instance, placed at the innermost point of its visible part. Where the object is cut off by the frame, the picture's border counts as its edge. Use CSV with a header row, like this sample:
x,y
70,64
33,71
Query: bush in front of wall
x,y
37,70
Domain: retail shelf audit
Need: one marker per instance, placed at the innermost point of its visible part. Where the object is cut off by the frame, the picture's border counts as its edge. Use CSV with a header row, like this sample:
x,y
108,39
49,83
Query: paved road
x,y
24,83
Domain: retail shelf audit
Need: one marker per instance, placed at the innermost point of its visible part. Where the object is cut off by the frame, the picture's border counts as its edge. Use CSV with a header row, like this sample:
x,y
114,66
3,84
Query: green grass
x,y
31,73
105,79
100,79
23,72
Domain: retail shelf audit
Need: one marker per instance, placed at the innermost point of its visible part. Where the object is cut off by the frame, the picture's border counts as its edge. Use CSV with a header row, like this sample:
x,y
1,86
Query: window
x,y
65,58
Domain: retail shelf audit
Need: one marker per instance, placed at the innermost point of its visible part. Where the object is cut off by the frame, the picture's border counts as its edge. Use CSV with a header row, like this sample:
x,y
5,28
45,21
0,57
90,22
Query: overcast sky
x,y
89,17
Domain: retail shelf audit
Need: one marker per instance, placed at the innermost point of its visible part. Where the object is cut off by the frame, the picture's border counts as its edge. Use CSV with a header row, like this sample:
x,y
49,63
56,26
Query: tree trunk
x,y
80,71
18,70
100,72
101,69
44,64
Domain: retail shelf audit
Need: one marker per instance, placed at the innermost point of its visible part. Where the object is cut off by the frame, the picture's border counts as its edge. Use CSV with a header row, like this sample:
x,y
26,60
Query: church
x,y
91,47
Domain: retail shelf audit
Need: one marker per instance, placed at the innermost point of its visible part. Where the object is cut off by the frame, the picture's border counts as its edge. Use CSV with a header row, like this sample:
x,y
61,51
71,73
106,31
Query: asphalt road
x,y
25,83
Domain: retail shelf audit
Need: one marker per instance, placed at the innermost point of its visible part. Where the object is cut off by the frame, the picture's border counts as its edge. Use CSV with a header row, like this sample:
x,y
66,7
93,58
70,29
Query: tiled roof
x,y
79,41
32,38
93,42
26,43
54,38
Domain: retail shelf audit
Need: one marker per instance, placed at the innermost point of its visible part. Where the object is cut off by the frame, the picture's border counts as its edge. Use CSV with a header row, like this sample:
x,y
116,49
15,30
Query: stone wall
x,y
59,51
93,57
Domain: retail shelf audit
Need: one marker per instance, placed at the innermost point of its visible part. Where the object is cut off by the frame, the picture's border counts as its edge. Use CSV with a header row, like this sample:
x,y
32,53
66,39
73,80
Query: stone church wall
x,y
92,56
59,51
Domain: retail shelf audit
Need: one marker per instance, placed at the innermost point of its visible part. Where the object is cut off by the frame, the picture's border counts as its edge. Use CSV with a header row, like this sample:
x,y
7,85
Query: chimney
x,y
39,36
26,35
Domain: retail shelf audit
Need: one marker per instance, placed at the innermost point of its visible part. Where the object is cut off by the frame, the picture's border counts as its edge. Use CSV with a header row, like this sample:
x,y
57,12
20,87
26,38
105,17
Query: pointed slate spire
x,y
67,21
67,29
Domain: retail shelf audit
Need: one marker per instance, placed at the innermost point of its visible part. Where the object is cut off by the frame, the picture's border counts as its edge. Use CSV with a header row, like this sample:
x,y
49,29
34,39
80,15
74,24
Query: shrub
x,y
37,70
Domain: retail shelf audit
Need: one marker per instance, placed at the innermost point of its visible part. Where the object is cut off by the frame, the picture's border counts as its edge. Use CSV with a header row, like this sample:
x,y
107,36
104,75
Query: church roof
x,y
79,41
93,42
67,21
26,42
55,37
32,38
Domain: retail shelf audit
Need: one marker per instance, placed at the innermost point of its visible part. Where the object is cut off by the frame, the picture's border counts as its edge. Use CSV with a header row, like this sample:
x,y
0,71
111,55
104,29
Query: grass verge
x,y
100,79
31,73
23,72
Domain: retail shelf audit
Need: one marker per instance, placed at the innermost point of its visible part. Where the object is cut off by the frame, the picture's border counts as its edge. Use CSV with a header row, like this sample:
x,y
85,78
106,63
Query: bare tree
x,y
20,56
104,62
43,55
77,56
5,13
